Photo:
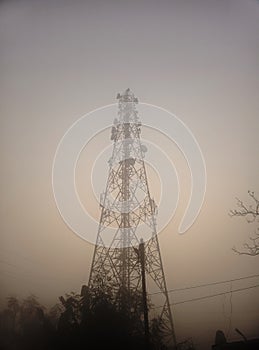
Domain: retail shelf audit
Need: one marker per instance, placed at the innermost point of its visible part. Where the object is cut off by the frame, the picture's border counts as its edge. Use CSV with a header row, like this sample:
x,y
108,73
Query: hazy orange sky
x,y
199,60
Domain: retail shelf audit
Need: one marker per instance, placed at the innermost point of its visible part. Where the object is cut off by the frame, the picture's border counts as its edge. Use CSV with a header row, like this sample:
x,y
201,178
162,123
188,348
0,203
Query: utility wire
x,y
208,296
205,284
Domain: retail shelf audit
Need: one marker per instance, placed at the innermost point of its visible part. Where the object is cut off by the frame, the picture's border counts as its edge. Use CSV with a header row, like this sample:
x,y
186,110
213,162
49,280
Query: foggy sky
x,y
199,60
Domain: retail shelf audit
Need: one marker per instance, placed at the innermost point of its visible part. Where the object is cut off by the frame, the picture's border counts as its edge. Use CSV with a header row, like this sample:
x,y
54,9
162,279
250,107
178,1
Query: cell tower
x,y
128,214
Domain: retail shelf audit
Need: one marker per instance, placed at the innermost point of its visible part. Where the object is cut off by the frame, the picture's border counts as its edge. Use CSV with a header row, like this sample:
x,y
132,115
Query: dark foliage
x,y
87,321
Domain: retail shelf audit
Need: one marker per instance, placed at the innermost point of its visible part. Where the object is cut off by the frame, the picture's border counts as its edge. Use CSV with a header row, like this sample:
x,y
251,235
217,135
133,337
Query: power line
x,y
209,296
206,284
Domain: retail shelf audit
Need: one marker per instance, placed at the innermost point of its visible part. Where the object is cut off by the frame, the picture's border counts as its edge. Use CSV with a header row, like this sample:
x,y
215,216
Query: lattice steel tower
x,y
128,213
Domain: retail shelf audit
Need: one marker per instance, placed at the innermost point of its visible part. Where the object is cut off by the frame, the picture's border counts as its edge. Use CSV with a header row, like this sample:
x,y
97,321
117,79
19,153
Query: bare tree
x,y
251,214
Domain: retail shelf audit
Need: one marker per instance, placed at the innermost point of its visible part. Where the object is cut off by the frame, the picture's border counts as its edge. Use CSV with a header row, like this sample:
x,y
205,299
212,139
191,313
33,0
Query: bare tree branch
x,y
251,250
251,214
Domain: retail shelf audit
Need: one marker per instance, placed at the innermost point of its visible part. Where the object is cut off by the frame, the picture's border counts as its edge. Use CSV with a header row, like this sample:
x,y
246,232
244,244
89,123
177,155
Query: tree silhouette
x,y
24,325
14,308
90,320
93,318
251,214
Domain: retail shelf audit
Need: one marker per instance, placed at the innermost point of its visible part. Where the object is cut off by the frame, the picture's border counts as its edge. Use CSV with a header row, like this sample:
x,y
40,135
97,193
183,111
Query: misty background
x,y
199,60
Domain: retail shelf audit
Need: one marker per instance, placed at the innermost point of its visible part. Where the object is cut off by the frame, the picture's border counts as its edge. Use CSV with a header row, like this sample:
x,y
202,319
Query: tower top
x,y
127,96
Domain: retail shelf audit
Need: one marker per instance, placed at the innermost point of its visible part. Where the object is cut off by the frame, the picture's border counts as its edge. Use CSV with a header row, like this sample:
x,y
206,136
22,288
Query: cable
x,y
7,263
208,296
204,285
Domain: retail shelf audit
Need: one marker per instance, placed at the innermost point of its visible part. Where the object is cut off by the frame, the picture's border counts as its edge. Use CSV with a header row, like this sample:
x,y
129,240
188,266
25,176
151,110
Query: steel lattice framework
x,y
128,212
